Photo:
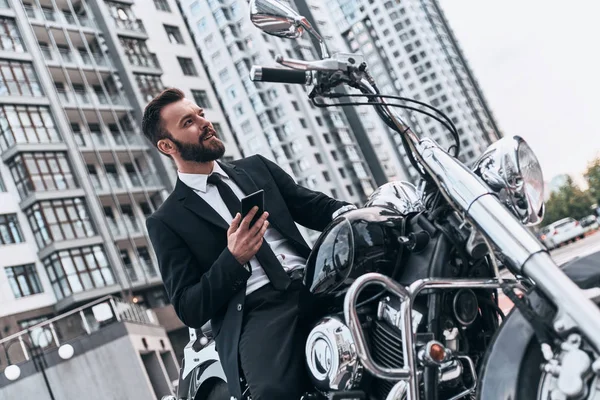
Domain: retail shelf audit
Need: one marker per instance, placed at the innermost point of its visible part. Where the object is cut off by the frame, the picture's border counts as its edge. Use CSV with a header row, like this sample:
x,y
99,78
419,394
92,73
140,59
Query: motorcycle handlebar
x,y
280,75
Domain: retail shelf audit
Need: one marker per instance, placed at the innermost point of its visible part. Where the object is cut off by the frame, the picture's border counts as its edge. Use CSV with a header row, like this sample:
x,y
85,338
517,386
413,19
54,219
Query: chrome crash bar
x,y
407,295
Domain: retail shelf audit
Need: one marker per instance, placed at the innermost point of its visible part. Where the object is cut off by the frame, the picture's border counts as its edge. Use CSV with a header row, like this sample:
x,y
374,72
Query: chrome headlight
x,y
511,169
399,196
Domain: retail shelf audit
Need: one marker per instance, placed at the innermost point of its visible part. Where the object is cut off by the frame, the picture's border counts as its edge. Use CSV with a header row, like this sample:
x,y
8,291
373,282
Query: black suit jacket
x,y
202,278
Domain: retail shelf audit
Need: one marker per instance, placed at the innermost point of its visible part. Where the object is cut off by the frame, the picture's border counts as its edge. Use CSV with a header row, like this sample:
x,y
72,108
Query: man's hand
x,y
244,241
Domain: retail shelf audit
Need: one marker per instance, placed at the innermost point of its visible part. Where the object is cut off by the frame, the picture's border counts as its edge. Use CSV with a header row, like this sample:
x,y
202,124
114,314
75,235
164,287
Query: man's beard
x,y
198,152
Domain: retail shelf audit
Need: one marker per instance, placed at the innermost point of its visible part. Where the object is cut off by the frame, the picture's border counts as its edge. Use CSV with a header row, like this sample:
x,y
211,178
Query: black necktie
x,y
265,256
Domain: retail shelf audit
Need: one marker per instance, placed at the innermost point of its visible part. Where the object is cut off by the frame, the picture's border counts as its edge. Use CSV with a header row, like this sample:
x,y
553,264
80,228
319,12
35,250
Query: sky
x,y
538,63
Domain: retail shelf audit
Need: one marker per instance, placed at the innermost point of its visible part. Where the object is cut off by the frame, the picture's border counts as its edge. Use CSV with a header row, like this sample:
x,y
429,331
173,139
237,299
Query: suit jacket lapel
x,y
240,177
198,206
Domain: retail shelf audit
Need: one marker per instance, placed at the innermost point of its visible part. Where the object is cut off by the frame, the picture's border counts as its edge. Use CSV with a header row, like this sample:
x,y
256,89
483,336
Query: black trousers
x,y
271,347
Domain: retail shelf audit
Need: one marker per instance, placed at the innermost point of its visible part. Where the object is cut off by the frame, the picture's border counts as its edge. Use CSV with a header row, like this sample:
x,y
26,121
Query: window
x,y
201,98
55,220
334,155
146,261
18,78
201,25
318,158
247,127
10,38
295,105
239,110
342,172
195,8
326,137
174,34
311,140
187,66
76,270
350,191
41,172
162,5
326,176
23,280
224,75
26,124
149,85
2,187
303,123
138,54
219,131
10,232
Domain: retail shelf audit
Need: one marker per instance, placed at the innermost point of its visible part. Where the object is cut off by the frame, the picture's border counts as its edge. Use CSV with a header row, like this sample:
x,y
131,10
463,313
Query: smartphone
x,y
252,200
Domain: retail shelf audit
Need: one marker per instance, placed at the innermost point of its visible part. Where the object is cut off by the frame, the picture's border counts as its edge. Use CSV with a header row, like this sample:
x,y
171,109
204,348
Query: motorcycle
x,y
409,283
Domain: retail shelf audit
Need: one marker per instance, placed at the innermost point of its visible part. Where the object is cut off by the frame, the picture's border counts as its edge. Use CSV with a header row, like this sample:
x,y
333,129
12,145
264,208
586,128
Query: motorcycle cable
x,y
328,81
447,123
388,122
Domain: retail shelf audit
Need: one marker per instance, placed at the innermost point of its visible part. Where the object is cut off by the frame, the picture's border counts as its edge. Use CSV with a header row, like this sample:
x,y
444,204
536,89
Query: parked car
x,y
589,223
545,236
565,230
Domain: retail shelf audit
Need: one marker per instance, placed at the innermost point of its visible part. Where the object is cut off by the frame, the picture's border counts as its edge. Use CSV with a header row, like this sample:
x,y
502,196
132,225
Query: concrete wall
x,y
106,366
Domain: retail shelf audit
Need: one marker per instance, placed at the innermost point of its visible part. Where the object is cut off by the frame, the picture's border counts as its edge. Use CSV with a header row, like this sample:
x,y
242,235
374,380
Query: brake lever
x,y
339,62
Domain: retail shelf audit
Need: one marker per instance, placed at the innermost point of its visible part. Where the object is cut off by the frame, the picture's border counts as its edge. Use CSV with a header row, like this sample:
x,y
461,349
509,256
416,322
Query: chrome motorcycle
x,y
409,283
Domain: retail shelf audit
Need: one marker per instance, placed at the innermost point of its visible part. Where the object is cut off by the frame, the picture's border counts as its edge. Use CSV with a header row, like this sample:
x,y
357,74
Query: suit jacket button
x,y
239,307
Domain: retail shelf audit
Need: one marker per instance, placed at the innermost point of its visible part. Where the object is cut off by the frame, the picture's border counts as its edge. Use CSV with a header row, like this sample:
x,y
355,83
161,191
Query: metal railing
x,y
79,322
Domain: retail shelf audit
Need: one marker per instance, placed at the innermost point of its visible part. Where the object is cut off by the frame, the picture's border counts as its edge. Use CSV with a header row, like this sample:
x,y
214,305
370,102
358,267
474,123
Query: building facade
x,y
318,147
78,177
412,52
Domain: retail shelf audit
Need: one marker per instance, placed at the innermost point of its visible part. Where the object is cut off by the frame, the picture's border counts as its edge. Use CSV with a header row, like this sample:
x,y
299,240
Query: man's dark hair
x,y
151,122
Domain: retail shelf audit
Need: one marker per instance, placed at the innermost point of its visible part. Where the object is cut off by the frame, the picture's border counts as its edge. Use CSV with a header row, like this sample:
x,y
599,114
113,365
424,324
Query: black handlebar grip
x,y
264,74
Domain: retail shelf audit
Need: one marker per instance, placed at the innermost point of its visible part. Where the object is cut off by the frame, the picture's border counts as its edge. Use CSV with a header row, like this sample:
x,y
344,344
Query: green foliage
x,y
592,176
568,201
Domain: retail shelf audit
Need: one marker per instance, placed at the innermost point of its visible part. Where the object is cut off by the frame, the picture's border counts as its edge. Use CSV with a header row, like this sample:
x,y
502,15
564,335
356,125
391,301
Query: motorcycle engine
x,y
331,351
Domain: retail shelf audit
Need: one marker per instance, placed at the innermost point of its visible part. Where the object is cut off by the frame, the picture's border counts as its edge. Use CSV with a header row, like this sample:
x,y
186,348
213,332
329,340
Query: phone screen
x,y
254,199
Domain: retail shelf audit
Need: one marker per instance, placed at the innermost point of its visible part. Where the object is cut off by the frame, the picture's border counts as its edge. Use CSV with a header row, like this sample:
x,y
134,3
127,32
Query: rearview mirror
x,y
276,19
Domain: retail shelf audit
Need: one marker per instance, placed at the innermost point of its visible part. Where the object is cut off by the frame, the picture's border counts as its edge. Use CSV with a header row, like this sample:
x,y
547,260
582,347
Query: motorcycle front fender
x,y
504,368
197,369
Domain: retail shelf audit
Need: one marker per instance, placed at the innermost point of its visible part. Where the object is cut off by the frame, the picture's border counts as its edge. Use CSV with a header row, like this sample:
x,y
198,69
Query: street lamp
x,y
13,372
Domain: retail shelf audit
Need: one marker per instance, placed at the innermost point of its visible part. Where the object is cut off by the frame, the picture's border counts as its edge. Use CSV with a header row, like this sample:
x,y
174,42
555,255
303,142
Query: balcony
x,y
148,268
136,26
123,227
50,15
100,59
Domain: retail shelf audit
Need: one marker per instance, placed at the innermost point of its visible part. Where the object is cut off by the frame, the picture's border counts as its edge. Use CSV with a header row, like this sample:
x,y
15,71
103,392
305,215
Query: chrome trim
x,y
387,312
400,196
473,373
407,296
331,356
398,392
256,73
566,295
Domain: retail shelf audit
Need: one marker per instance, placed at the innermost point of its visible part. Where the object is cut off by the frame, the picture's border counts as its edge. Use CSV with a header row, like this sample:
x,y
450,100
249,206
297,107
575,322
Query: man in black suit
x,y
244,279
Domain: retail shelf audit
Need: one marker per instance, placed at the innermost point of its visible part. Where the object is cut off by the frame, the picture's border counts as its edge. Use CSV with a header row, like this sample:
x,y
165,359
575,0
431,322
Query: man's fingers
x,y
235,224
260,223
246,221
264,229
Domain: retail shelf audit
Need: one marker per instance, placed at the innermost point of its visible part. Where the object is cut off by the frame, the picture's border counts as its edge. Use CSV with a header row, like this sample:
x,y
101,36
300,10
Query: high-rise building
x,y
321,148
412,52
78,177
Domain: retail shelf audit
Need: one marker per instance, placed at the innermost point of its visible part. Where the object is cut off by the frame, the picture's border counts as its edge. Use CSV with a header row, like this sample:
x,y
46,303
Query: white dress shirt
x,y
285,253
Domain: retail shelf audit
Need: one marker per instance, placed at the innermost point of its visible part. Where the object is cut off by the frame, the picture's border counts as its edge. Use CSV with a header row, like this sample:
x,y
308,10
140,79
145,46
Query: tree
x,y
592,176
568,201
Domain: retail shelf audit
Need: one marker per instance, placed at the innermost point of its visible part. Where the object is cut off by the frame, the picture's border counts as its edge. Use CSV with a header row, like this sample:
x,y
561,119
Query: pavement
x,y
581,248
